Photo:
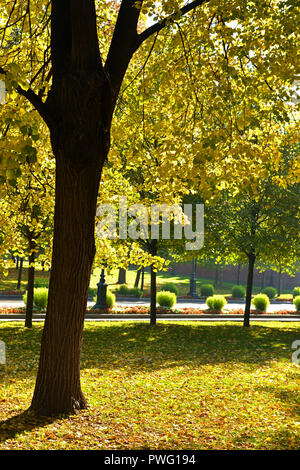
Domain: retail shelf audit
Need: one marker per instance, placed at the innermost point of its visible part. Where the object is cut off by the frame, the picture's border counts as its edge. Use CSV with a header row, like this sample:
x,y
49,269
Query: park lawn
x,y
174,386
180,280
9,282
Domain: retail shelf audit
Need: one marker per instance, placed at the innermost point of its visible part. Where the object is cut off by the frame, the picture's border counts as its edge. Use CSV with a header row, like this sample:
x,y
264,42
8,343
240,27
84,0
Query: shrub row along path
x,y
181,303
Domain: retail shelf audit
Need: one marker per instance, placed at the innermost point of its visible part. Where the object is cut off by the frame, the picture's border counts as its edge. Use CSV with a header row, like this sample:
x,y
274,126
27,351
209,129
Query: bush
x,y
110,299
127,291
239,292
271,292
166,299
207,290
261,302
169,287
297,302
296,291
216,302
40,298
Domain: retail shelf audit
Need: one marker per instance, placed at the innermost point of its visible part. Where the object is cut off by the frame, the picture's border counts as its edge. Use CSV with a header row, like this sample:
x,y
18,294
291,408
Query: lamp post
x,y
193,280
101,293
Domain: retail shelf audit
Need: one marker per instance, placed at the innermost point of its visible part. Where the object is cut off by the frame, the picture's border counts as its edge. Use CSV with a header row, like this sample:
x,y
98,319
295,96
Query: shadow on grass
x,y
165,343
170,345
23,422
138,346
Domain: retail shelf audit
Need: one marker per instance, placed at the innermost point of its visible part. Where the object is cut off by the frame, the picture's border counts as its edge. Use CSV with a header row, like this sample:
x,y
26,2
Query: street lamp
x,y
193,280
101,293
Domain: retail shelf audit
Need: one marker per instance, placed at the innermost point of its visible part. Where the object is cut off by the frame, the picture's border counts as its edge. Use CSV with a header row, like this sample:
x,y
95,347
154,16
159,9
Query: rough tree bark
x,y
78,111
79,133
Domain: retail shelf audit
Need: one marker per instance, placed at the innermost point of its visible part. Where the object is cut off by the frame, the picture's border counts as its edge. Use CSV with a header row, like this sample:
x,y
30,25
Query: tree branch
x,y
122,44
161,24
35,100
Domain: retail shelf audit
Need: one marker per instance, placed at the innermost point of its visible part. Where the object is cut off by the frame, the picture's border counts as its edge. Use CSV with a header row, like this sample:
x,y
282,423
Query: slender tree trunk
x,y
17,262
251,263
143,278
30,286
153,251
137,278
122,276
153,297
20,274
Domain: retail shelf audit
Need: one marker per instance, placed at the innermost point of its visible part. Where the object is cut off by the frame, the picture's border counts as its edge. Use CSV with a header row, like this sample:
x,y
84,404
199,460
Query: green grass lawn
x,y
174,386
181,281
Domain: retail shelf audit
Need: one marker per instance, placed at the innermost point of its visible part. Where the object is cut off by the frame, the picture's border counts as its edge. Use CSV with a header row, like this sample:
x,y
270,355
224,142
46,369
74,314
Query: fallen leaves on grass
x,y
174,386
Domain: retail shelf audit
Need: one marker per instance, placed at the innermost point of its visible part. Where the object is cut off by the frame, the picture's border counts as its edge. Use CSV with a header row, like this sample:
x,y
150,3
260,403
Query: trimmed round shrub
x,y
238,292
129,291
297,302
110,299
271,292
40,298
170,287
207,290
296,291
166,299
122,290
261,302
216,302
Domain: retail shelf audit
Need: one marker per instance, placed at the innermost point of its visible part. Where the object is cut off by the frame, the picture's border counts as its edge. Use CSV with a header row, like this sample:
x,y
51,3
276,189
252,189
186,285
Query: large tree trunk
x,y
30,287
251,263
58,387
80,108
